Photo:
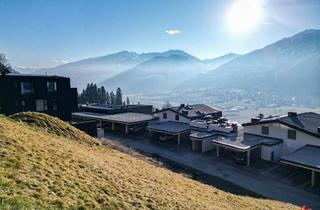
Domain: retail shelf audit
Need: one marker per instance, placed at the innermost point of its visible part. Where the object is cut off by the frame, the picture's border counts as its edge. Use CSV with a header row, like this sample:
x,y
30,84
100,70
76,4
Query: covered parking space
x,y
129,121
306,157
172,132
202,141
247,146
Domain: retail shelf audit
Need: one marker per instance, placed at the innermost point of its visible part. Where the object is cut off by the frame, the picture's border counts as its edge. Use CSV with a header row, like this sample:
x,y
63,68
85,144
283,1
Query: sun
x,y
243,15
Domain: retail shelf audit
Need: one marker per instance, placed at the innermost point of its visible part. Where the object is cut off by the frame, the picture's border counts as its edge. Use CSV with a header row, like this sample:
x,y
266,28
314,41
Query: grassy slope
x,y
40,167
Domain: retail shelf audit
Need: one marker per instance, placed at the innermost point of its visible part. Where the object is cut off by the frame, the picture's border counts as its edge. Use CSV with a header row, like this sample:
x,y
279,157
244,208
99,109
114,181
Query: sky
x,y
44,33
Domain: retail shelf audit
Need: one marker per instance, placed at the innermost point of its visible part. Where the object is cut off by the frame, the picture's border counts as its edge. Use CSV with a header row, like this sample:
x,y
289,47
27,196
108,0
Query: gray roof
x,y
169,127
33,75
307,156
245,141
194,108
201,134
124,118
307,122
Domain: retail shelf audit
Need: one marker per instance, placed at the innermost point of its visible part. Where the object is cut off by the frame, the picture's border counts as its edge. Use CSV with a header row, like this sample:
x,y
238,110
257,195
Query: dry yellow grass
x,y
40,169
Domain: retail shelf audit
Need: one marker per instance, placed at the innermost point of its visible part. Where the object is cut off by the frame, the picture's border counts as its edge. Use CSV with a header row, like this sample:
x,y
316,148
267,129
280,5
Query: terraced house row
x,y
293,139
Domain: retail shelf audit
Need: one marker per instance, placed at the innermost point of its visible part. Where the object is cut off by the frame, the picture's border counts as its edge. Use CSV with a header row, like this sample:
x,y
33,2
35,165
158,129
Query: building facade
x,y
39,93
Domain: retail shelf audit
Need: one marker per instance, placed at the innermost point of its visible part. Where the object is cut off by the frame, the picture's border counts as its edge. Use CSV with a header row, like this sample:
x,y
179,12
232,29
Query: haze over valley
x,y
260,78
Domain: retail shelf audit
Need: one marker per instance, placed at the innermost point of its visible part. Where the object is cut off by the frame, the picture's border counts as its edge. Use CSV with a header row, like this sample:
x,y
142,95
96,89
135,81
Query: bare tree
x,y
4,65
166,105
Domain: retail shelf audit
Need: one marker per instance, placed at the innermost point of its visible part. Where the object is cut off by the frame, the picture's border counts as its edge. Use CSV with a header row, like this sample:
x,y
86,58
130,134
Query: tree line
x,y
95,94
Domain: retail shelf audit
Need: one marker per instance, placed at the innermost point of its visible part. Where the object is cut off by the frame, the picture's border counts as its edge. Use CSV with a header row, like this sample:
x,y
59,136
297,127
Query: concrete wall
x,y
207,144
278,130
266,152
171,116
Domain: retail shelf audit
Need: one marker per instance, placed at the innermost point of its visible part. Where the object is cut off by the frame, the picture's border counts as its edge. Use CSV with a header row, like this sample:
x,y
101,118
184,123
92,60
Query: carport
x,y
126,119
244,142
179,130
202,141
306,157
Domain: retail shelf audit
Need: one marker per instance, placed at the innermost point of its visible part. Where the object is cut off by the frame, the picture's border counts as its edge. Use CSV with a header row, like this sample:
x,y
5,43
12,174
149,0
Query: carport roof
x,y
202,134
245,141
169,127
306,157
123,118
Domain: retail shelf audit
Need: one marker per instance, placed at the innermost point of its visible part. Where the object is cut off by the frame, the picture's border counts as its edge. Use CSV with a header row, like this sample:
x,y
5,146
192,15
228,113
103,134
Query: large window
x,y
292,134
26,88
52,86
41,105
265,130
164,115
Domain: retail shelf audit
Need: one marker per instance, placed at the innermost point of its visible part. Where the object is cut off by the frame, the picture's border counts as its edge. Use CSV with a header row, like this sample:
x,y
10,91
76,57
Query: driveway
x,y
209,164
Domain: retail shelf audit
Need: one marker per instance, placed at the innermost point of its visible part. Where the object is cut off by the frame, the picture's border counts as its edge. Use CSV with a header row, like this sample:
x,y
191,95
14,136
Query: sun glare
x,y
244,15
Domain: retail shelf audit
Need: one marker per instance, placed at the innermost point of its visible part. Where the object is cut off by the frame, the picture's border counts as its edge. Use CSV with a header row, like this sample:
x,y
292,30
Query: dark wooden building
x,y
40,93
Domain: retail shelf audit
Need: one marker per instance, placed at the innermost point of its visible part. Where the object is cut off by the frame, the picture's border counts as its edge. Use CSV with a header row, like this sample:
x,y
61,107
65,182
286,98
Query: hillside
x,y
161,73
289,64
214,63
47,164
95,69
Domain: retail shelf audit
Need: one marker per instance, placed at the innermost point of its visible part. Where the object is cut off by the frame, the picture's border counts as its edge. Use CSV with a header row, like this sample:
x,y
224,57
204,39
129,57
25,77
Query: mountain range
x,y
289,64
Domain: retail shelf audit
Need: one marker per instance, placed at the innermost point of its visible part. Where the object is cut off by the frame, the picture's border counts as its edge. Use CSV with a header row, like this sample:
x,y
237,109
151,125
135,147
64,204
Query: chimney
x,y
182,105
292,114
234,127
255,119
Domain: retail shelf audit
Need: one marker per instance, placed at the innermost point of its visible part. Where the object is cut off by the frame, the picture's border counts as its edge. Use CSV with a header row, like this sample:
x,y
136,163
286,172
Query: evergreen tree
x,y
108,100
102,95
118,99
112,98
128,101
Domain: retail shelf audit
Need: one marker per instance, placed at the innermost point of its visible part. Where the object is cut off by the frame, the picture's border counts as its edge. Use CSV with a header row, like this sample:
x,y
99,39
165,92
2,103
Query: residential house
x,y
39,93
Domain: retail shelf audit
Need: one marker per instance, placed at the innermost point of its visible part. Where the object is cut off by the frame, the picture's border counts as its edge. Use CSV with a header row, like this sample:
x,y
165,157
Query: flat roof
x,y
123,118
111,107
306,157
169,127
33,75
245,141
202,134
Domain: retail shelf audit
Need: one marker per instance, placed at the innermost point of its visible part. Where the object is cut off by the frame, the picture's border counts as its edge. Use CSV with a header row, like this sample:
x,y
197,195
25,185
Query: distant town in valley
x,y
160,104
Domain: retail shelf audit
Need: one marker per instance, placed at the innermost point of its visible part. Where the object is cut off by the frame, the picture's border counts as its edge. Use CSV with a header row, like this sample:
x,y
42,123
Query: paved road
x,y
261,185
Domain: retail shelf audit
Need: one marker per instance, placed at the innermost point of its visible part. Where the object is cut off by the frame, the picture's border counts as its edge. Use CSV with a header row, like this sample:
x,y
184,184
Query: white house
x,y
300,135
176,123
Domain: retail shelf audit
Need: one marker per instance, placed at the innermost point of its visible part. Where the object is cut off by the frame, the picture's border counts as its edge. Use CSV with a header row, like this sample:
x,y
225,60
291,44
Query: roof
x,y
111,107
307,156
307,122
201,134
245,141
124,118
194,110
32,75
170,127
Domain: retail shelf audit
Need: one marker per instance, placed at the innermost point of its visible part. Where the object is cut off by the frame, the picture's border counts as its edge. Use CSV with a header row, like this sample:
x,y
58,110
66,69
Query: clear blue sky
x,y
39,33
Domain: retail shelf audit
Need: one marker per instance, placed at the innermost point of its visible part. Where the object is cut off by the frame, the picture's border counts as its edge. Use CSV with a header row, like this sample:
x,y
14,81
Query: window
x,y
26,88
292,134
164,115
177,117
265,130
41,105
52,86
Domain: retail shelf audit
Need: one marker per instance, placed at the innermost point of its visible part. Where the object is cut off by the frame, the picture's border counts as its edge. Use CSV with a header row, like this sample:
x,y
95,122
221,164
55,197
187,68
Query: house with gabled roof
x,y
300,136
191,124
